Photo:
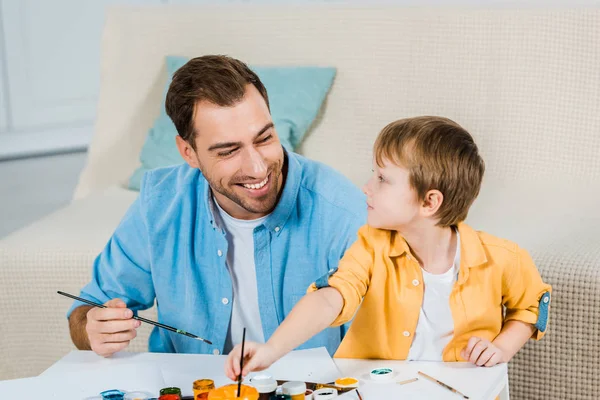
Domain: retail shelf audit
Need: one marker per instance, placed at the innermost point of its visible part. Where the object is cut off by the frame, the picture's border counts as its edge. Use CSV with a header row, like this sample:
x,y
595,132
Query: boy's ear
x,y
432,202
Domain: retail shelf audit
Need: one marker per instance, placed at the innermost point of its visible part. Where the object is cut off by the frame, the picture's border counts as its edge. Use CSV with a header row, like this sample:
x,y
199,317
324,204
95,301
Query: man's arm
x,y
77,323
122,270
103,330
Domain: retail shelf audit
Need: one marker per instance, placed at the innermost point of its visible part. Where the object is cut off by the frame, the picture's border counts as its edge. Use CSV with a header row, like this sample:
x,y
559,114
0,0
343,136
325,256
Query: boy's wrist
x,y
506,351
276,350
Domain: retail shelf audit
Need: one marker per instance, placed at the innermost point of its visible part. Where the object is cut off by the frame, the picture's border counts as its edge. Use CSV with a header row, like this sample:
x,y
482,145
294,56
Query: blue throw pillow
x,y
295,97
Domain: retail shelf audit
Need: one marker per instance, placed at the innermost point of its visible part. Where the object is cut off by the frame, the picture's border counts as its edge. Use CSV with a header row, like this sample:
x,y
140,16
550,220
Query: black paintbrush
x,y
241,364
167,327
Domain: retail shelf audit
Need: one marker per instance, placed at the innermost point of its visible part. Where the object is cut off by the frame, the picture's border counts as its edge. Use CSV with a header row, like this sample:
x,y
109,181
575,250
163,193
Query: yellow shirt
x,y
379,277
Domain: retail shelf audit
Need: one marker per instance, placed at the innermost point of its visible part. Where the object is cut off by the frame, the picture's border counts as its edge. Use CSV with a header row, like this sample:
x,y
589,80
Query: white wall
x,y
3,121
52,61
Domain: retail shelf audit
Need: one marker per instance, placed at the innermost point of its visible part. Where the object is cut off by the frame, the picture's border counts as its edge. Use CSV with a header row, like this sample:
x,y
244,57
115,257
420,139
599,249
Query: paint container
x,y
229,392
325,394
295,389
138,396
170,393
382,374
308,395
112,394
346,382
201,388
266,387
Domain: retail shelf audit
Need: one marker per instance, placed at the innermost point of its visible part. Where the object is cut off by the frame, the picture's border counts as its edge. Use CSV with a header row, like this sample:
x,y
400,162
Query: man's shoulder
x,y
170,182
325,184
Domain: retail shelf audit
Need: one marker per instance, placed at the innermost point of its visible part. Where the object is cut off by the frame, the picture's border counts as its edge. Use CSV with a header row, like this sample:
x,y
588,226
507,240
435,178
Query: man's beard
x,y
262,205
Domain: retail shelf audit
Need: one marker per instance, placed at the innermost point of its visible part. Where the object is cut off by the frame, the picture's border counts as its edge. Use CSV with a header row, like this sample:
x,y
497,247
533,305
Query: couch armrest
x,y
55,253
564,364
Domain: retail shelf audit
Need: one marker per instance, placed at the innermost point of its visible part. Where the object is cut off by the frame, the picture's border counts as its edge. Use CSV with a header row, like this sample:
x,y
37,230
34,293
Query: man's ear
x,y
187,152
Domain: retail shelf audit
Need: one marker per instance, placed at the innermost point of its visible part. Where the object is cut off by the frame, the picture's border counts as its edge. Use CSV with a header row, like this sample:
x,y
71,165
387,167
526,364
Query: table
x,y
82,373
476,382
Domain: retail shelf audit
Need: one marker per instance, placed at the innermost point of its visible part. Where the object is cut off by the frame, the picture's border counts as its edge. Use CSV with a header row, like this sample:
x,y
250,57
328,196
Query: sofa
x,y
524,82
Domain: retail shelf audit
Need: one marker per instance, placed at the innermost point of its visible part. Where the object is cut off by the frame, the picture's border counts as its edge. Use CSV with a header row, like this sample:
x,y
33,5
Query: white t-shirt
x,y
435,327
240,262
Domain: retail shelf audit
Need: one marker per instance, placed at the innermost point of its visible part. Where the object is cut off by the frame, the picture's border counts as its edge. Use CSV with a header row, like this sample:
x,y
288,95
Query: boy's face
x,y
391,201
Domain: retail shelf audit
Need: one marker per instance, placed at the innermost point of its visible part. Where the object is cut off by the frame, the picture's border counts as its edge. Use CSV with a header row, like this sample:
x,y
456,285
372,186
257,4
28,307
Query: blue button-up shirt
x,y
170,248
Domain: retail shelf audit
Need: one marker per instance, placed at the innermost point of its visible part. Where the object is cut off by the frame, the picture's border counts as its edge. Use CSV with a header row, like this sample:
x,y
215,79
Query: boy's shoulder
x,y
496,250
495,243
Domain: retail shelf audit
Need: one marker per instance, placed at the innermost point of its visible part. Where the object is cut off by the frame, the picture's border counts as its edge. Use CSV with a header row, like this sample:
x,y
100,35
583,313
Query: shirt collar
x,y
398,245
472,252
289,196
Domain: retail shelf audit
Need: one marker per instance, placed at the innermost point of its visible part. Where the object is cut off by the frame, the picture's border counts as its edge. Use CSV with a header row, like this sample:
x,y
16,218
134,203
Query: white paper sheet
x,y
77,385
181,370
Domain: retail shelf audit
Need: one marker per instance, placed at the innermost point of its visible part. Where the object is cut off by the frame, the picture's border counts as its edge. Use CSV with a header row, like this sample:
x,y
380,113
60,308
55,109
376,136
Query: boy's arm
x,y
313,313
513,336
525,295
527,301
332,300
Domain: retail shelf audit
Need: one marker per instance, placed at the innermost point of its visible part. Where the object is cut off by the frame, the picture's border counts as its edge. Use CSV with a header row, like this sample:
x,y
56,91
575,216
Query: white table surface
x,y
313,365
475,382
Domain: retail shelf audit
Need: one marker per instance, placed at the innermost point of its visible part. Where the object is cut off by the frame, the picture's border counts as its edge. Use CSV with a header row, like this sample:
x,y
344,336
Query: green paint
x,y
381,371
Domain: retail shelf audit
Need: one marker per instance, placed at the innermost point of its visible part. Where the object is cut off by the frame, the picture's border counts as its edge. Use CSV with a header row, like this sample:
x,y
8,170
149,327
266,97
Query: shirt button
x,y
216,352
220,253
277,229
225,300
546,299
406,333
415,282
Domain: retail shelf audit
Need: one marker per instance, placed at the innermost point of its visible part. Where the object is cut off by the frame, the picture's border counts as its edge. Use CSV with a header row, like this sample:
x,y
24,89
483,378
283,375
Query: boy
x,y
419,283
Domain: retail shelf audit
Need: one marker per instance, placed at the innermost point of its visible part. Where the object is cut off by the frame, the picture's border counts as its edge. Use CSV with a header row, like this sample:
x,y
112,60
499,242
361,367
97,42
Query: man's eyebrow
x,y
264,129
225,145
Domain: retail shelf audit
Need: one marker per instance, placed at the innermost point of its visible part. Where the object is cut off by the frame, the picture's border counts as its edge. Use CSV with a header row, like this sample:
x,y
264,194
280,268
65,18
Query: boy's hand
x,y
258,357
482,352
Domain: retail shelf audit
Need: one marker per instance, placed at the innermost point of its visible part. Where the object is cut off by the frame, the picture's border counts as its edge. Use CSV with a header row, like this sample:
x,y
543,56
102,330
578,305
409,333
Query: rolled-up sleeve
x,y
352,276
525,296
122,270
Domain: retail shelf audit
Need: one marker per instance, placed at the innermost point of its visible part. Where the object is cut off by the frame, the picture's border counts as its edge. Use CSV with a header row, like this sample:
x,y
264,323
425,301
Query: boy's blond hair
x,y
439,154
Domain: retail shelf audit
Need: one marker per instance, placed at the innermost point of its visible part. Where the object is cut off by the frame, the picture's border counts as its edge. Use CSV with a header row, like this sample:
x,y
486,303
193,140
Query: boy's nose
x,y
366,188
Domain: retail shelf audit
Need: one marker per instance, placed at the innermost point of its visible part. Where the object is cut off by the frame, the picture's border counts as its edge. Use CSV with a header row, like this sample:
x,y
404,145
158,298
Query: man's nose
x,y
254,164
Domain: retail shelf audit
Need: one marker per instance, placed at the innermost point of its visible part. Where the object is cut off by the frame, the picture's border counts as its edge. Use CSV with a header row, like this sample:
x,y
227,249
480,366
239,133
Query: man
x,y
230,239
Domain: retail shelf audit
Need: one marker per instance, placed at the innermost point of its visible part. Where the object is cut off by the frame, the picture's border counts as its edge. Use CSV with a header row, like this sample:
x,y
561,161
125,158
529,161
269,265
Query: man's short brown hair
x,y
218,79
439,154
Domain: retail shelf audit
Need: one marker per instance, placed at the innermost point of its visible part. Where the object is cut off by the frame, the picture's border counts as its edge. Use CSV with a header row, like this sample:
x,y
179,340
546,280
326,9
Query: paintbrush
x,y
442,384
167,327
241,364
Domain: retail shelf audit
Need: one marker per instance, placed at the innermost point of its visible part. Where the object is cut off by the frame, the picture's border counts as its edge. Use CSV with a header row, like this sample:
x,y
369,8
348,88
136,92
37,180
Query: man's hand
x,y
110,330
258,357
482,352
